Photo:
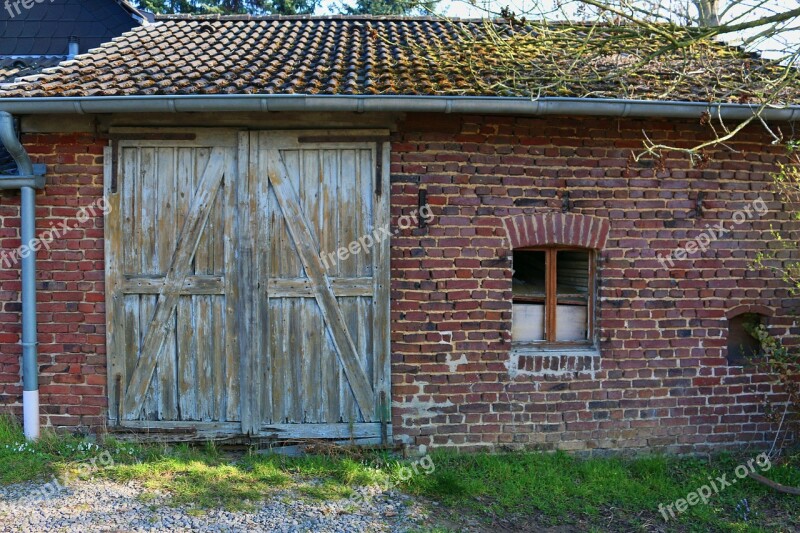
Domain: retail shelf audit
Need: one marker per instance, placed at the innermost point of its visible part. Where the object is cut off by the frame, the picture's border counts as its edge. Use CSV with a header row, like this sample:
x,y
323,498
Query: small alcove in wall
x,y
742,345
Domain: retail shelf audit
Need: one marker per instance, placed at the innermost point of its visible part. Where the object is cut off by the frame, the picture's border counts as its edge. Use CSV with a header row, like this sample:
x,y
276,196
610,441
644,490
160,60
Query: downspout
x,y
27,180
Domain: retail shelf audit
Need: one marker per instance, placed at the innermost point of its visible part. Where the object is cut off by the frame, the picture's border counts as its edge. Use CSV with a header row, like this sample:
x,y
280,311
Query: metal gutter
x,y
381,103
26,181
18,182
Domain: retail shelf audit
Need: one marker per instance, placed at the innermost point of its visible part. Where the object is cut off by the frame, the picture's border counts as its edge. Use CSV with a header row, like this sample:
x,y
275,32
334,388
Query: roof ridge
x,y
392,18
421,18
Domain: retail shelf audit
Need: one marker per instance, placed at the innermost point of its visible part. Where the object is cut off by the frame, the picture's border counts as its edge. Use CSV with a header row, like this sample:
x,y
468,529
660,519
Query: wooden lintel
x,y
307,139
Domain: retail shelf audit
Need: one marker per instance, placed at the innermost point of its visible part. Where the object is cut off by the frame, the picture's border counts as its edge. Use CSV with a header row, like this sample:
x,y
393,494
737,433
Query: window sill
x,y
549,360
554,349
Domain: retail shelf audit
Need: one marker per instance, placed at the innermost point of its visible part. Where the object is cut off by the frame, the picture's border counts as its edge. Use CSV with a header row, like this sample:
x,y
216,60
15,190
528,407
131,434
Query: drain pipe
x,y
27,180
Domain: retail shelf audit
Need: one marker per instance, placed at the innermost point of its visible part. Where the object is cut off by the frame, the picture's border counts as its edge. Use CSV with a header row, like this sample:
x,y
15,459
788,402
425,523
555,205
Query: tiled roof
x,y
377,56
16,67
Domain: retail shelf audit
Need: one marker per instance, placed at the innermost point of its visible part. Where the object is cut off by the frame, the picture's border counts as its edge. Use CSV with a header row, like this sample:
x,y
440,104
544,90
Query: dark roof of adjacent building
x,y
17,67
349,55
35,39
7,164
44,29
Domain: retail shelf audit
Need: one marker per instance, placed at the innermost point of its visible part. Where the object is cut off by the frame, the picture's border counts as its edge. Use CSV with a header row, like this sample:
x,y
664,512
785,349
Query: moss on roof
x,y
410,56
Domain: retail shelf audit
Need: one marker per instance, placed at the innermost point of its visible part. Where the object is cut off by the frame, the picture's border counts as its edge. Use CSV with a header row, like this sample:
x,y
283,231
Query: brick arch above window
x,y
565,229
752,308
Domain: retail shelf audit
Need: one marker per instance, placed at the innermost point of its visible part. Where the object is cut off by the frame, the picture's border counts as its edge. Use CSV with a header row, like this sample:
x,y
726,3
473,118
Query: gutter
x,y
29,178
386,103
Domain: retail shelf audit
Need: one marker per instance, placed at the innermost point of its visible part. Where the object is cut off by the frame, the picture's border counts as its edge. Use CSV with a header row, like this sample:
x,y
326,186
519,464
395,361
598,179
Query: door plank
x,y
322,431
148,214
114,300
293,266
246,284
204,322
229,270
158,329
329,242
186,329
310,179
166,173
329,306
349,217
294,340
264,353
381,298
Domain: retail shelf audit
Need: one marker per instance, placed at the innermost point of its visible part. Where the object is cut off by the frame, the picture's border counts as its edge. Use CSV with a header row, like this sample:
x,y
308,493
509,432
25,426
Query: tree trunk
x,y
707,12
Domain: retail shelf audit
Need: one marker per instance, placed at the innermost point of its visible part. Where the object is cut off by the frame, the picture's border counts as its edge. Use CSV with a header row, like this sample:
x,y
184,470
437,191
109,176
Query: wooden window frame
x,y
551,300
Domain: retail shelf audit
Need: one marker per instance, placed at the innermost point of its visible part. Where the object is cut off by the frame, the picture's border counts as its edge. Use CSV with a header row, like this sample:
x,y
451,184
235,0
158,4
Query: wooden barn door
x,y
222,316
173,357
319,327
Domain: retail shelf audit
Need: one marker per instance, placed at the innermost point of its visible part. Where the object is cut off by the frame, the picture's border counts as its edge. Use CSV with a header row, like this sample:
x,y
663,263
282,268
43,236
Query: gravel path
x,y
99,505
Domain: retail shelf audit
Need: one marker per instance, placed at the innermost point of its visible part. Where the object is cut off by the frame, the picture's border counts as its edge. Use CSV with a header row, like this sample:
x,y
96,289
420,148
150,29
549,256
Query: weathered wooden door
x,y
170,280
231,308
319,332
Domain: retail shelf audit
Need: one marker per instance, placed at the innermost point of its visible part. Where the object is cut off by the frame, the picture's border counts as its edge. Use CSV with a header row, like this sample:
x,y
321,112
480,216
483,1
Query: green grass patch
x,y
327,490
207,479
564,487
553,488
52,454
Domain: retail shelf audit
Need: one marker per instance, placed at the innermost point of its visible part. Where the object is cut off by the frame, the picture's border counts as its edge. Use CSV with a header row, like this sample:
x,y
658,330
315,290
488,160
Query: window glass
x,y
552,296
528,287
572,287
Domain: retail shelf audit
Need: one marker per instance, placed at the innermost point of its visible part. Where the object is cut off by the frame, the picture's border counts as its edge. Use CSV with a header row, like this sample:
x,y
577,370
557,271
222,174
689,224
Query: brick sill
x,y
553,361
533,350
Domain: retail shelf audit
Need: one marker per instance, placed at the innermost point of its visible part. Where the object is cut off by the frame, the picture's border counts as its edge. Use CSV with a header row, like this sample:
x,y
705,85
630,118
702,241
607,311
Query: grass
x,y
517,488
51,455
562,488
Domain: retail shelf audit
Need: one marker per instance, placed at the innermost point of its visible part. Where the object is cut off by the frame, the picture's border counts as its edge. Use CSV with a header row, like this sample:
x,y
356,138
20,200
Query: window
x,y
553,291
742,345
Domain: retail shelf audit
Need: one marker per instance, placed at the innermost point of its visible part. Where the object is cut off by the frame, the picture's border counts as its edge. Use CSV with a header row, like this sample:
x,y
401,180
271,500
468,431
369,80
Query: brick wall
x,y
69,284
662,378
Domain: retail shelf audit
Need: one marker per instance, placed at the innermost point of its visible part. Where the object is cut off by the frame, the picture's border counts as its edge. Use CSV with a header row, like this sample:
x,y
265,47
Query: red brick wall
x,y
70,295
662,380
